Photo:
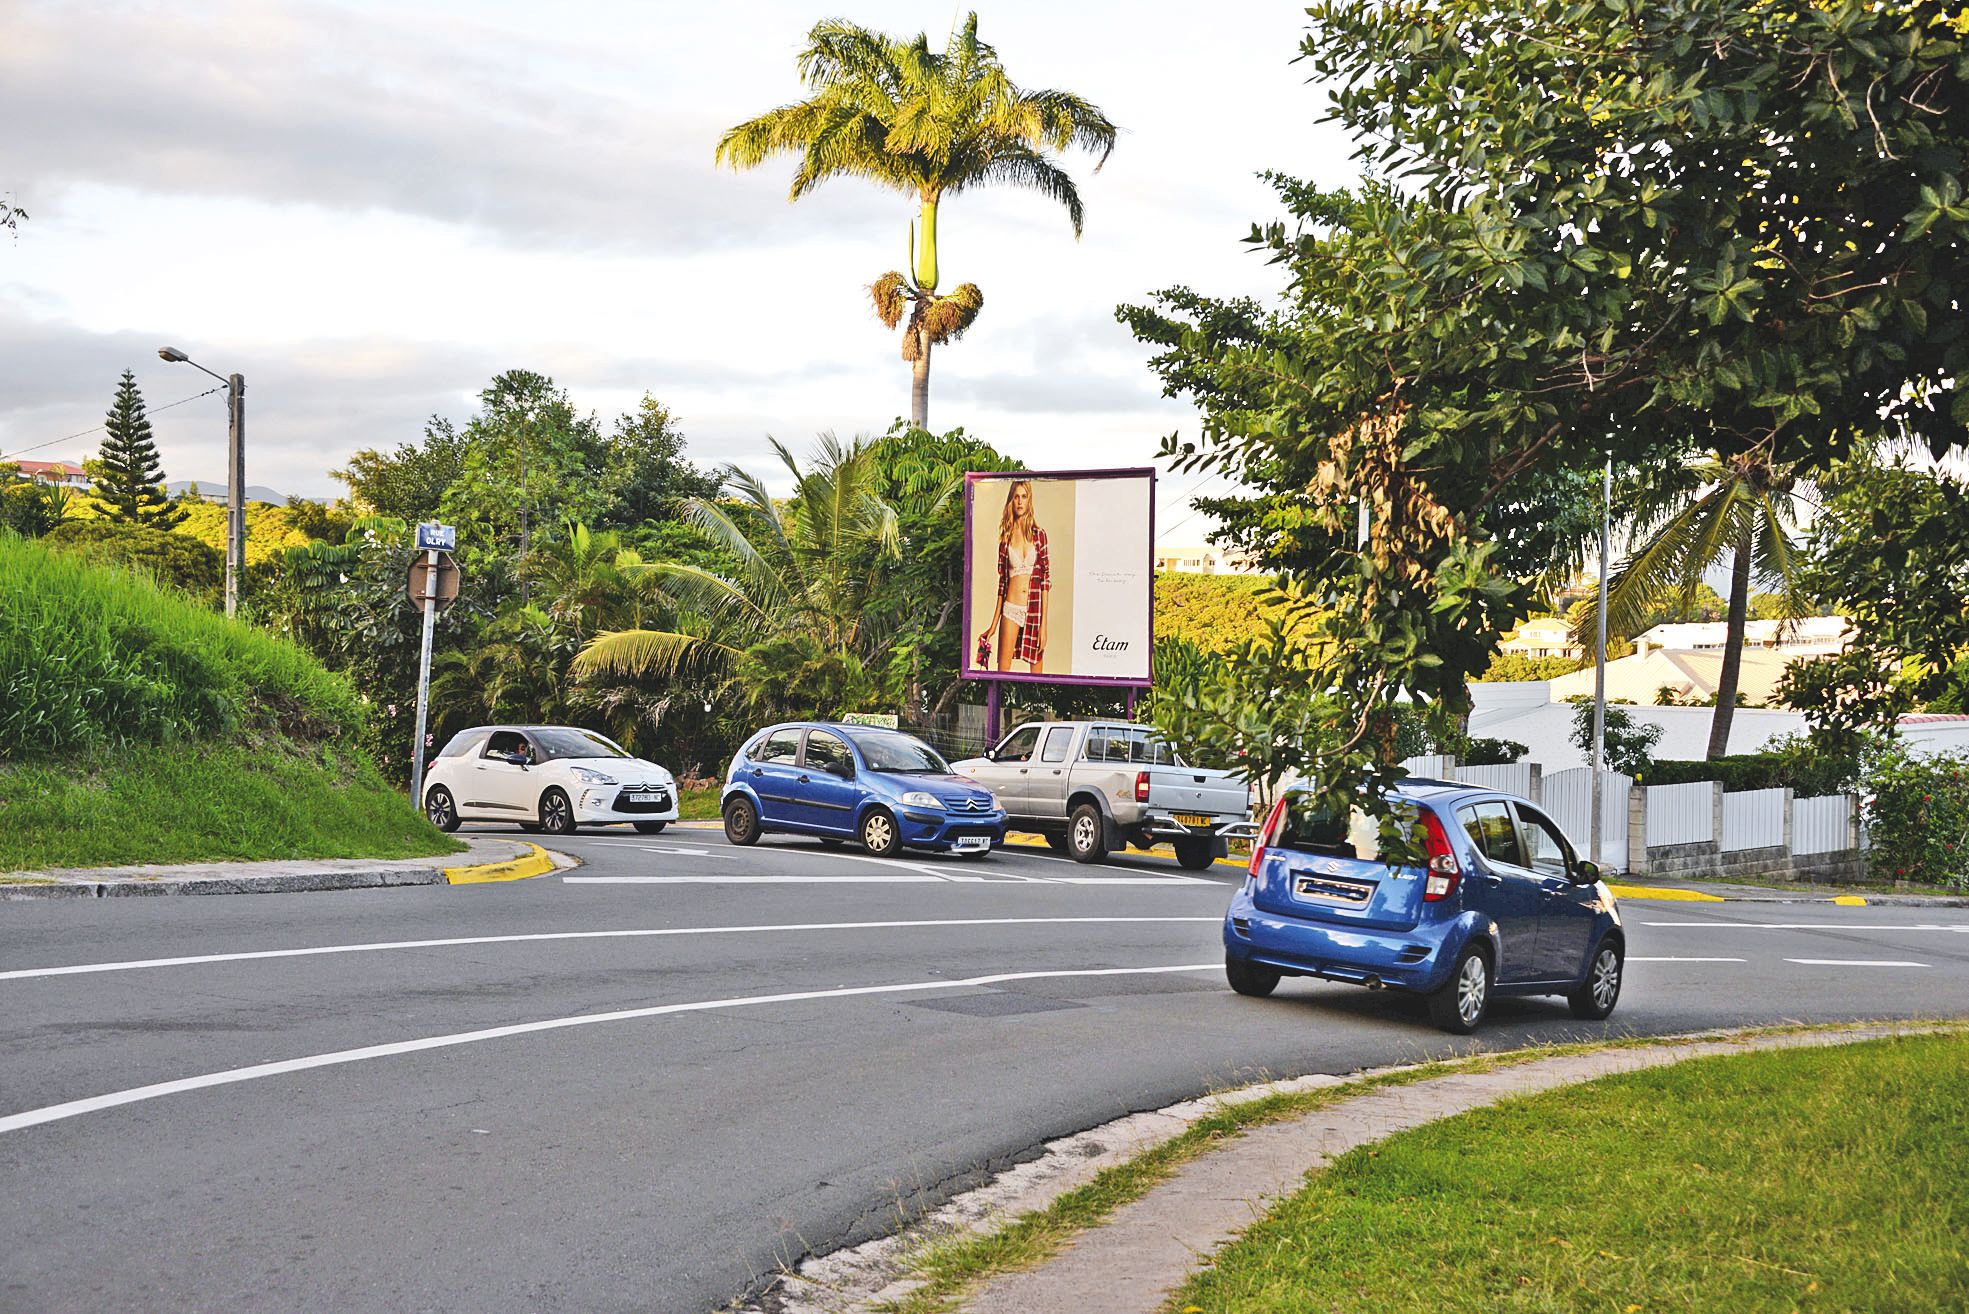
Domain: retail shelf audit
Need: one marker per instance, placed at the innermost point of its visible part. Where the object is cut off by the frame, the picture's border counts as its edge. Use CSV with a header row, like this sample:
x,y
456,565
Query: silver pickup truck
x,y
1093,786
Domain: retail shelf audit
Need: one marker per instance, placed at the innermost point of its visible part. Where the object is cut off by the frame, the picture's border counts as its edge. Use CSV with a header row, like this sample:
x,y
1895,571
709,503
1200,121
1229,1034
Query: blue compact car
x,y
1501,906
887,789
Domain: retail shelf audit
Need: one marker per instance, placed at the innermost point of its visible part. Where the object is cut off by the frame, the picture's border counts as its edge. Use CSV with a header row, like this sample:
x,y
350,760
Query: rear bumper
x,y
1418,959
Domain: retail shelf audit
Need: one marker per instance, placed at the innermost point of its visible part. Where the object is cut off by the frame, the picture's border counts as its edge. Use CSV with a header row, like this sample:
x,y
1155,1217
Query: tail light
x,y
1141,786
1265,835
1442,871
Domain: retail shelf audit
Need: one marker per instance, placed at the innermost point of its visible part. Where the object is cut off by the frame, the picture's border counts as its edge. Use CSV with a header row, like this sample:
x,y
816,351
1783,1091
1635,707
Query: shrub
x,y
178,560
1917,816
1796,762
1628,742
1481,751
91,656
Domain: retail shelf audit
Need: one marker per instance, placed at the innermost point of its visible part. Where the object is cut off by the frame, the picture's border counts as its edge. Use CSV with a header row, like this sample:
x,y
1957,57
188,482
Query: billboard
x,y
1059,576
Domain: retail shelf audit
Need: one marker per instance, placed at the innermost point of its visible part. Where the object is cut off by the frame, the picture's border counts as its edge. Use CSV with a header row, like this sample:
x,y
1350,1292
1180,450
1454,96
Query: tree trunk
x,y
919,387
1726,682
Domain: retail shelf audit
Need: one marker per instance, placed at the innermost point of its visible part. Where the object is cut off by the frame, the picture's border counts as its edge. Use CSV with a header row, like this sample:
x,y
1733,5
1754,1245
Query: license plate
x,y
1194,819
646,798
972,843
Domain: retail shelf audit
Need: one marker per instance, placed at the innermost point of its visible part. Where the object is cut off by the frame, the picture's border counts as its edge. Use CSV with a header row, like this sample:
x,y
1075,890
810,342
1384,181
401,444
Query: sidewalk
x,y
486,857
1147,1247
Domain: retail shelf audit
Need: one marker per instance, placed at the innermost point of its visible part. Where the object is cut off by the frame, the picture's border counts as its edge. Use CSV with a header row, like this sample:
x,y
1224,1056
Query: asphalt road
x,y
643,1084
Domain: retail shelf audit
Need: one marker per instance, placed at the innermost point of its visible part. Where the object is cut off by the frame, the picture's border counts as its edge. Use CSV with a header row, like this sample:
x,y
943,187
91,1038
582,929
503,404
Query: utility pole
x,y
1600,661
235,488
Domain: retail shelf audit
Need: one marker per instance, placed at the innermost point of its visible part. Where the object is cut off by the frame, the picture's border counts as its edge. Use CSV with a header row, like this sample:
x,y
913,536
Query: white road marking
x,y
1686,960
893,878
1854,962
79,969
1960,928
233,1076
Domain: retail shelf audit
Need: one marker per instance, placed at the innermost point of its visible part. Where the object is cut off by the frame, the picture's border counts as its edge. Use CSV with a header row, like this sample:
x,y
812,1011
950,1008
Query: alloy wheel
x,y
1083,832
1472,984
1606,977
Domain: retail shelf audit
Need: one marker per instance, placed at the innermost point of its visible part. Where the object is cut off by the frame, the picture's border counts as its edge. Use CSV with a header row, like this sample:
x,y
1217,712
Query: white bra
x,y
1023,559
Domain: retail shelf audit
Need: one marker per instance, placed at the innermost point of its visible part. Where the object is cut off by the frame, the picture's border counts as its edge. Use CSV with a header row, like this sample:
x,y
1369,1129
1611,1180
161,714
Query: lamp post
x,y
235,471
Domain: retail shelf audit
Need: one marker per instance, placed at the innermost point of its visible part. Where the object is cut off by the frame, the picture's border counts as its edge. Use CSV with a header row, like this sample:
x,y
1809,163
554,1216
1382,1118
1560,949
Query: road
x,y
643,1084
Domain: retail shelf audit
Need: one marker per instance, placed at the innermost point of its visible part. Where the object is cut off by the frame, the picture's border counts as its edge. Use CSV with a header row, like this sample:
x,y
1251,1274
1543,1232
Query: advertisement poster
x,y
1059,576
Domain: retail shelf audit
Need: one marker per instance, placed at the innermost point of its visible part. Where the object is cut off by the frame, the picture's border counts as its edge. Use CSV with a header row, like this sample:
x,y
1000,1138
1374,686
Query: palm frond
x,y
647,652
1021,166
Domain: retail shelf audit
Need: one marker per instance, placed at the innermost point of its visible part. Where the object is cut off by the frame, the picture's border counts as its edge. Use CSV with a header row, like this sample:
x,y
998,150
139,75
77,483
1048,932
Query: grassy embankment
x,y
136,726
1822,1179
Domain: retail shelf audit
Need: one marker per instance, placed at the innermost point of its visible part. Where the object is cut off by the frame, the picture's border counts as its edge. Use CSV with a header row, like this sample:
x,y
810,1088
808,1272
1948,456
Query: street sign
x,y
433,537
418,582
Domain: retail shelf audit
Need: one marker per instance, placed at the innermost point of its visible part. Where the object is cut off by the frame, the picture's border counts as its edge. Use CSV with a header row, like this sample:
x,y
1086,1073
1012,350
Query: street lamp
x,y
235,471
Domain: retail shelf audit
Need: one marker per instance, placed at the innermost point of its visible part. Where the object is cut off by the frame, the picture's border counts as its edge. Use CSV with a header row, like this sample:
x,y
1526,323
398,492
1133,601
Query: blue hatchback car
x,y
1502,906
887,789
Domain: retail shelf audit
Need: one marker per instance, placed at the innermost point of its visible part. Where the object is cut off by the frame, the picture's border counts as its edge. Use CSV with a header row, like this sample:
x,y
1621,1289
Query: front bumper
x,y
925,829
1416,959
604,804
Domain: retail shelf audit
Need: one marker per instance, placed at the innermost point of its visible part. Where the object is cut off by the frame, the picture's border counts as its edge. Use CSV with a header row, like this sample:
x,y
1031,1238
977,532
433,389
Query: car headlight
x,y
916,798
589,777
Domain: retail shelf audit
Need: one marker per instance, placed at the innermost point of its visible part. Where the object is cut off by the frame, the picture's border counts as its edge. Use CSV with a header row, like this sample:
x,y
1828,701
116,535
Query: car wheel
x,y
1249,978
1087,838
556,813
1058,843
440,808
650,827
1596,995
530,827
880,835
1194,855
1459,1005
741,822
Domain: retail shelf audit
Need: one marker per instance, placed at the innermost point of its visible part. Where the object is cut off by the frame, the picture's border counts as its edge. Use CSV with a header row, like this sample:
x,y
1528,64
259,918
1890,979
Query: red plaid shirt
x,y
1029,647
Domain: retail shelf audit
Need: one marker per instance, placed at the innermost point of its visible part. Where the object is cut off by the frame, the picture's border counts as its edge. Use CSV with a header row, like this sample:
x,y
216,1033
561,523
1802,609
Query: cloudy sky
x,y
369,209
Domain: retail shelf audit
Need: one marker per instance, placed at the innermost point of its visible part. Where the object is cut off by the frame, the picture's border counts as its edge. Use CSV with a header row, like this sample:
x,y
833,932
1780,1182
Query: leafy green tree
x,y
800,591
530,465
1603,227
643,468
409,483
128,474
1743,510
1629,743
926,124
178,560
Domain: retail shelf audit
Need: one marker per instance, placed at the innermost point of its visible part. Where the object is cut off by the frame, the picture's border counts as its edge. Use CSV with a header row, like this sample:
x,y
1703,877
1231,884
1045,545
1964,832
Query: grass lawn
x,y
1821,1179
697,804
204,801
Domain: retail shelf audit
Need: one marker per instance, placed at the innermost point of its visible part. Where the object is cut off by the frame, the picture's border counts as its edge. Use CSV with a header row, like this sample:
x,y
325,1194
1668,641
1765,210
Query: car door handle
x,y
1023,770
803,780
1491,879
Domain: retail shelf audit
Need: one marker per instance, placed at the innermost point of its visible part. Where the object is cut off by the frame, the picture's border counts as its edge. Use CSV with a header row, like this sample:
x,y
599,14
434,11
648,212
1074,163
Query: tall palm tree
x,y
924,124
804,570
1741,506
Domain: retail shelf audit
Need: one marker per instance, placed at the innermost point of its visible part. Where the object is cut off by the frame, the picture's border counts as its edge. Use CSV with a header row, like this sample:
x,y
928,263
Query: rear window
x,y
1310,826
1133,744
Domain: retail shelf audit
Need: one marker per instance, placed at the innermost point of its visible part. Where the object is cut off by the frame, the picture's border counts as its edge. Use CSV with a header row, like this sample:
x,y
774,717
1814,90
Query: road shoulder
x,y
285,877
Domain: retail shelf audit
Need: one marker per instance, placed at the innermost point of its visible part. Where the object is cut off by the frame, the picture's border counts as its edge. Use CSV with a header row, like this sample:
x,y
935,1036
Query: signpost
x,y
433,586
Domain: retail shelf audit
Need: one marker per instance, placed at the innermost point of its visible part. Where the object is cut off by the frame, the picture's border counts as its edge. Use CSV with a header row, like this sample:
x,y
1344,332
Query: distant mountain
x,y
214,490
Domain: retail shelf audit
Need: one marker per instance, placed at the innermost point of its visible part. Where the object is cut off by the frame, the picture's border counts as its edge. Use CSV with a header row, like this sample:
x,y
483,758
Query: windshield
x,y
893,752
566,741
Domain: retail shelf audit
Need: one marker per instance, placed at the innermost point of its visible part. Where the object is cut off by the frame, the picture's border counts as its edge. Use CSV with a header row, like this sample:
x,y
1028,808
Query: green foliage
x,y
1628,744
128,475
167,556
1917,814
204,801
28,507
1220,612
1484,751
409,483
1793,762
1255,710
1620,229
90,656
1892,545
1517,666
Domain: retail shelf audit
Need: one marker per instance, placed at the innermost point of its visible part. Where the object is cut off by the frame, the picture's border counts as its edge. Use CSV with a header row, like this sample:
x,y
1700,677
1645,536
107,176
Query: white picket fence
x,y
1754,819
1681,814
1568,797
1822,825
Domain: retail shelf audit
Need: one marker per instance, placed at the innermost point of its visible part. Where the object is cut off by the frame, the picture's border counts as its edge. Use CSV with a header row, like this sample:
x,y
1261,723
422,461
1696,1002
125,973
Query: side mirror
x,y
989,755
845,770
1585,872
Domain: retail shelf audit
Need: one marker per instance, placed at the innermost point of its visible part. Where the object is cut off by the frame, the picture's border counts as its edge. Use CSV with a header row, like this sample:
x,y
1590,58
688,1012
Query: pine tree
x,y
128,474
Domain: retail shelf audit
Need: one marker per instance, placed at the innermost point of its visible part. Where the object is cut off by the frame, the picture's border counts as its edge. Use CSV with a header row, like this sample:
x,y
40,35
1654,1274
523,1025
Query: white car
x,y
546,777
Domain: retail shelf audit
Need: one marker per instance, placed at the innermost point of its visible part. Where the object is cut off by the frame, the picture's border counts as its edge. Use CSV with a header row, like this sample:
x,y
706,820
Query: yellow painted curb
x,y
1657,892
1849,901
536,863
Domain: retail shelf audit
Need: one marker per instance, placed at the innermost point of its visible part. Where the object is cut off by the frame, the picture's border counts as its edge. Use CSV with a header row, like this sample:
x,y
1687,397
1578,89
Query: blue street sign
x,y
431,536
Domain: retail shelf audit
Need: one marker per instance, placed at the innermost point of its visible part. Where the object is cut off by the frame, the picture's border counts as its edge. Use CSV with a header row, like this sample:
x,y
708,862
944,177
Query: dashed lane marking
x,y
1959,928
131,965
233,1076
1854,962
1633,959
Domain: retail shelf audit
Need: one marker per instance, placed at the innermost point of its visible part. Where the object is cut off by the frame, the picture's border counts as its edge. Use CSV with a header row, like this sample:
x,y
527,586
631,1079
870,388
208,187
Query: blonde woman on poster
x,y
1016,630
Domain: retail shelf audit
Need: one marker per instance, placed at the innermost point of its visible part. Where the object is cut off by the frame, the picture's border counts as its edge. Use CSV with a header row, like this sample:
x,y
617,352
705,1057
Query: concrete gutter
x,y
286,877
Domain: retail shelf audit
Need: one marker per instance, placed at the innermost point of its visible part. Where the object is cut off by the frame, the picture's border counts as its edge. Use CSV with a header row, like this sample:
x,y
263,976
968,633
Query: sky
x,y
368,210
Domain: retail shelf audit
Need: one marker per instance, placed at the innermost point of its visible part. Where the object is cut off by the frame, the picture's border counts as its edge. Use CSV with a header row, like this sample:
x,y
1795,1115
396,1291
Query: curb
x,y
294,883
1163,1233
536,863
